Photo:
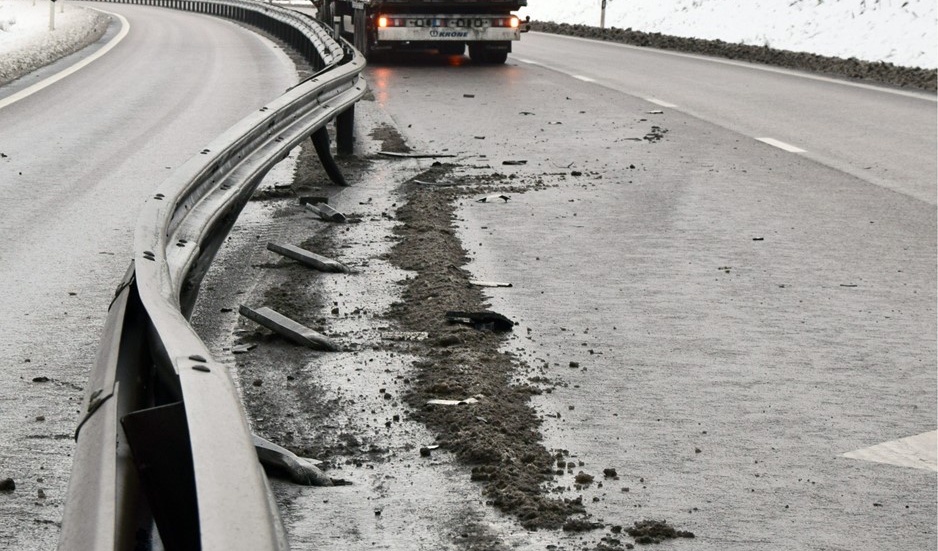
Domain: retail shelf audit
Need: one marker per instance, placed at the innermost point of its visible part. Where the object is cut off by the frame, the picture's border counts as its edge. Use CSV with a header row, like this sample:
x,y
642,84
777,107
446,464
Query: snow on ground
x,y
903,32
26,42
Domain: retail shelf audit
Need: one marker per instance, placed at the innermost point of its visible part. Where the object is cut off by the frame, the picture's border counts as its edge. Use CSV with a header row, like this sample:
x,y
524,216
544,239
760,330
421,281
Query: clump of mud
x,y
879,72
655,531
498,435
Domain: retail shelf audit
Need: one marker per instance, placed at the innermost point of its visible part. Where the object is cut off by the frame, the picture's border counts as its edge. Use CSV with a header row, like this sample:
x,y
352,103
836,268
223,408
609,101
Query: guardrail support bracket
x,y
321,143
282,325
159,440
345,131
298,469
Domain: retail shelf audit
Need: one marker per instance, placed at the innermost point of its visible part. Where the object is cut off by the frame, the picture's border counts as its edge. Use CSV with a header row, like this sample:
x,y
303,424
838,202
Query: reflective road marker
x,y
781,145
660,103
920,452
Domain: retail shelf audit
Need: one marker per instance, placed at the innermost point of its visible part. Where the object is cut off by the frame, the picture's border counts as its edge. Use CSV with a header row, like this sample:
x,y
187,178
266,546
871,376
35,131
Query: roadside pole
x,y
52,15
602,16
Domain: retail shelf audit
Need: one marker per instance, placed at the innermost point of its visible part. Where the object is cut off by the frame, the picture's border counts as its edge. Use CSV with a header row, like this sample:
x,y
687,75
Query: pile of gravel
x,y
852,68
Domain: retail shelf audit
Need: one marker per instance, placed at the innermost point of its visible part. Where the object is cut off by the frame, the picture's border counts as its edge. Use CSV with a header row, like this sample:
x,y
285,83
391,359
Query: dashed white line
x,y
583,78
660,103
26,92
915,451
917,95
781,145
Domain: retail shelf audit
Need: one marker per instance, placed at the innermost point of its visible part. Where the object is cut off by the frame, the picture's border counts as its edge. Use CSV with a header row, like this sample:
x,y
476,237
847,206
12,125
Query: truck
x,y
486,27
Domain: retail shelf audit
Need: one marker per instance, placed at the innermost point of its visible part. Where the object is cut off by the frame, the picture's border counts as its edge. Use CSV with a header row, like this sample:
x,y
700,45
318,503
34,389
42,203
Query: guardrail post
x,y
345,131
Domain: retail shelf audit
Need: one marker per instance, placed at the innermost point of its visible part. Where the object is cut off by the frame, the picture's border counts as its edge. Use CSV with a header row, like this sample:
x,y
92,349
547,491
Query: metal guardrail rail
x,y
164,456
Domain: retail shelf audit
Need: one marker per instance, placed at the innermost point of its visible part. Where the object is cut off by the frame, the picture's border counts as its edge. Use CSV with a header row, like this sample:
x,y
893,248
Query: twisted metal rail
x,y
164,455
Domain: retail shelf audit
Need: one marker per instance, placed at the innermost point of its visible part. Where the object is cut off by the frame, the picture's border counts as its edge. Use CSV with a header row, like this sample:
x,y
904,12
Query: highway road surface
x,y
725,274
742,272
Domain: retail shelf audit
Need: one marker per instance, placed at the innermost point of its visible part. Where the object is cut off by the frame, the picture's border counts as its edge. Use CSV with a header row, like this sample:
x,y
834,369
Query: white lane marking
x,y
747,65
583,78
660,103
781,145
26,92
919,452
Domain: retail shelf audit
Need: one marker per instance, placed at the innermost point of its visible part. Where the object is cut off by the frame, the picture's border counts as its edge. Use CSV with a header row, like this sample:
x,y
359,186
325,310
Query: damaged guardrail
x,y
165,457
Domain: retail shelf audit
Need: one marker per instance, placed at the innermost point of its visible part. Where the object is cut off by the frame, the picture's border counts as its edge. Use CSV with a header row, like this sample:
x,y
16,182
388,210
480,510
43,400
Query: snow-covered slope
x,y
26,43
903,32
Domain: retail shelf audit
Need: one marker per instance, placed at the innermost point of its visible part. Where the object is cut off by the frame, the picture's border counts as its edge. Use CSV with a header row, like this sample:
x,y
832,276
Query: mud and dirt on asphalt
x,y
483,417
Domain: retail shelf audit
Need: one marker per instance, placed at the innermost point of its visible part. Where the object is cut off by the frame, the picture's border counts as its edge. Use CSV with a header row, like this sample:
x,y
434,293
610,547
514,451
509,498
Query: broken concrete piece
x,y
453,402
492,198
437,184
307,258
415,155
288,328
325,212
299,469
405,336
485,320
490,284
243,348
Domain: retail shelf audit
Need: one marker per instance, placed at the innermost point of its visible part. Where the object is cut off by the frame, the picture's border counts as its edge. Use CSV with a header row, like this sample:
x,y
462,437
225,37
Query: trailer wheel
x,y
362,42
483,56
496,58
452,48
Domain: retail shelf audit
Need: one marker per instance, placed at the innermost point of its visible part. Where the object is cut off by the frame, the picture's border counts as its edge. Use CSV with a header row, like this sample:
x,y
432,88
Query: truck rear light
x,y
514,22
382,21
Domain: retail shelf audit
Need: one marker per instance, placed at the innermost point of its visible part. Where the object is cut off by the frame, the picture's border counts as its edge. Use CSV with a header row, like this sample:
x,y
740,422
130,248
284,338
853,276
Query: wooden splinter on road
x,y
325,212
282,325
307,258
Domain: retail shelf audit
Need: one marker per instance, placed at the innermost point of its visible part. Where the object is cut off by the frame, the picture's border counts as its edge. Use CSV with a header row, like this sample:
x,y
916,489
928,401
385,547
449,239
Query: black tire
x,y
482,56
362,42
452,48
496,58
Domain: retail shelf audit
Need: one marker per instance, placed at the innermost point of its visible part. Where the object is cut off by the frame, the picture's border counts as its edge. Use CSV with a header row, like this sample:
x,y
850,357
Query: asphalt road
x,y
78,159
879,135
740,315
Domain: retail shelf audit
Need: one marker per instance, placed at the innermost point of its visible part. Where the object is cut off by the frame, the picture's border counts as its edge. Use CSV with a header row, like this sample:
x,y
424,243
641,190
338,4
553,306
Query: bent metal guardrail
x,y
164,455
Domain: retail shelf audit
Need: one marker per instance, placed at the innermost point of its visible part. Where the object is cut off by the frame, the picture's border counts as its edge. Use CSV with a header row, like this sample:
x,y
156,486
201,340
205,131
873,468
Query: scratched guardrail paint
x,y
164,456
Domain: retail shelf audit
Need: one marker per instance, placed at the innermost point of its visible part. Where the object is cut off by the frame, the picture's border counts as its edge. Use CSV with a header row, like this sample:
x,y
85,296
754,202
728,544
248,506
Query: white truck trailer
x,y
486,27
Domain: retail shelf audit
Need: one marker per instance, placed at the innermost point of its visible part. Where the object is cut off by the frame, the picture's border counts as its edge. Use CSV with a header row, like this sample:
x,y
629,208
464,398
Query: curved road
x,y
748,317
78,159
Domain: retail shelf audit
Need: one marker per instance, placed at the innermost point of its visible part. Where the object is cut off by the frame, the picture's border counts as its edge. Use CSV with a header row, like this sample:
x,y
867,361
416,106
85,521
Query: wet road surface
x,y
738,317
78,159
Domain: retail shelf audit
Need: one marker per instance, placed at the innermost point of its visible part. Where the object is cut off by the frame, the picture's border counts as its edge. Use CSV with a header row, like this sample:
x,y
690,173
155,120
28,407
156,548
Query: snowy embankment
x,y
901,32
26,43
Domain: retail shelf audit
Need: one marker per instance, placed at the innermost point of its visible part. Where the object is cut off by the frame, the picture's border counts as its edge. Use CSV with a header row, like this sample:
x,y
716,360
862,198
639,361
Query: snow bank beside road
x,y
26,42
902,32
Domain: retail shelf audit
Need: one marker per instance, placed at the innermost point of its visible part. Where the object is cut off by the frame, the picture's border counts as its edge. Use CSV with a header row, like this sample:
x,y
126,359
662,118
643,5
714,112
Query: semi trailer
x,y
486,27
